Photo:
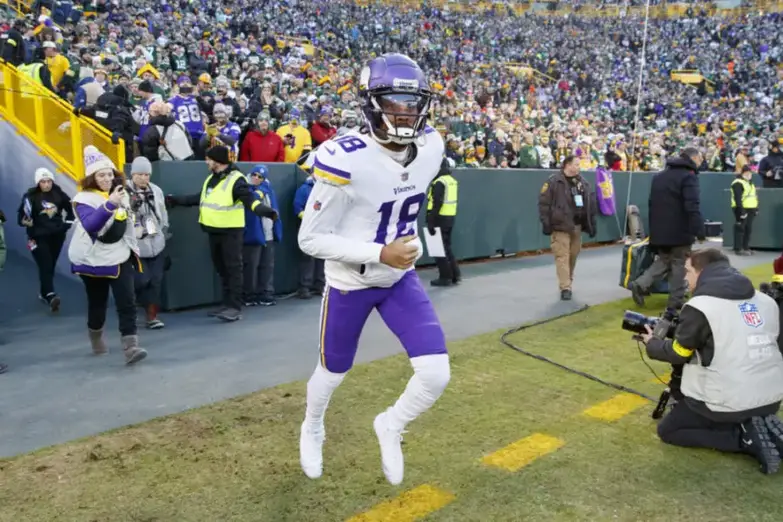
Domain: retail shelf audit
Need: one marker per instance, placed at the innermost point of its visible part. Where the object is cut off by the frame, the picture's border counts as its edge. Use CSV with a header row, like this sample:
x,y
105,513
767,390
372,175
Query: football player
x,y
361,218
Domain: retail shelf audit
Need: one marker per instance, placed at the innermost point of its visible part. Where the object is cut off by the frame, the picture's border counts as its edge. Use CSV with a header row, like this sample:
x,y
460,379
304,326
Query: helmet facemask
x,y
397,117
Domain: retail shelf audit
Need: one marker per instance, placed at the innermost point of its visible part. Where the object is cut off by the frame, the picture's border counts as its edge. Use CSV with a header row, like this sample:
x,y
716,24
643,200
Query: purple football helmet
x,y
395,98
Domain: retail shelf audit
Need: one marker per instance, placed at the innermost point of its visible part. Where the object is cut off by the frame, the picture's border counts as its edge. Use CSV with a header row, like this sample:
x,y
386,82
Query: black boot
x,y
756,440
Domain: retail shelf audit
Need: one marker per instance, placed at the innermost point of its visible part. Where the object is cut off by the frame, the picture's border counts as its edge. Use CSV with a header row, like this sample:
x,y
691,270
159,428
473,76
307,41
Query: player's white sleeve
x,y
325,208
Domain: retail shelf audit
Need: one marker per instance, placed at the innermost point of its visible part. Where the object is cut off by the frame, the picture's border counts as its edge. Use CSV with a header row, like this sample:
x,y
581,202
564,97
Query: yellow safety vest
x,y
749,198
449,207
218,208
33,72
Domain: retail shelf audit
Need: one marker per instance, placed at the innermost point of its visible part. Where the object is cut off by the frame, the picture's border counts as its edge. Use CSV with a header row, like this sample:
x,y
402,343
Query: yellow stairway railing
x,y
49,122
20,6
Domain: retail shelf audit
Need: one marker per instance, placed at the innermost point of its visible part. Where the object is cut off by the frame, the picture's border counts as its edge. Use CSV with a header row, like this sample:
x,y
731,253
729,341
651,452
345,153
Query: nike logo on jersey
x,y
330,151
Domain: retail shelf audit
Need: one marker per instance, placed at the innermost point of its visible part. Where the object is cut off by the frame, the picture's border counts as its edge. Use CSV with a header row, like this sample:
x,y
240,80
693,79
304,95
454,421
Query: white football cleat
x,y
311,443
391,450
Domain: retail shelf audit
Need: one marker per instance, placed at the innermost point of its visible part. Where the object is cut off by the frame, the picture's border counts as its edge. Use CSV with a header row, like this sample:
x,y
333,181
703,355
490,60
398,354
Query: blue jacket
x,y
254,228
300,198
80,100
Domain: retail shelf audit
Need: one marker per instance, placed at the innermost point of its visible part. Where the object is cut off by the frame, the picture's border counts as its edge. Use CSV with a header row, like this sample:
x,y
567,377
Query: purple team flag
x,y
604,188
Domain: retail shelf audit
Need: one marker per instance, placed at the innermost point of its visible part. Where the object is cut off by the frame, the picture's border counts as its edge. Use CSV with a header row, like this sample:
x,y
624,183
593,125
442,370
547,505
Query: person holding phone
x,y
104,252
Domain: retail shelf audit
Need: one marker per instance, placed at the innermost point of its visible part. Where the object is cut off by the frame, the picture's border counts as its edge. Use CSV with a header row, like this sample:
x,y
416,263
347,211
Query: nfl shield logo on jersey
x,y
404,176
317,205
751,315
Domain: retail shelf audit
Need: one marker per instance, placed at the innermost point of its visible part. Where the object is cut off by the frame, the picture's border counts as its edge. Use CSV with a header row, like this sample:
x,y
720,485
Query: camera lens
x,y
635,322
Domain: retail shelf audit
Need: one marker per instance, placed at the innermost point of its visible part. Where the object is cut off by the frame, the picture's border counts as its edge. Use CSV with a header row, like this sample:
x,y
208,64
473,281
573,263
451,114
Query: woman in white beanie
x,y
46,213
104,252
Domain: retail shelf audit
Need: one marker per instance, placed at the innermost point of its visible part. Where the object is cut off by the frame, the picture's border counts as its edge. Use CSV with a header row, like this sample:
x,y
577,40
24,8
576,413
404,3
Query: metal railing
x,y
49,122
20,6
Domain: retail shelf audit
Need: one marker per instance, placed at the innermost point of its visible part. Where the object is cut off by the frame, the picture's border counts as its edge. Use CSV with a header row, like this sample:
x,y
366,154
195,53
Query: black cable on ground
x,y
586,375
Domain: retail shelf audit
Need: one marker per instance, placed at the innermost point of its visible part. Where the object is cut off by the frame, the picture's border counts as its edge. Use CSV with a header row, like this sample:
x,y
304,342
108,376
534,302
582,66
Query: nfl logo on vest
x,y
750,314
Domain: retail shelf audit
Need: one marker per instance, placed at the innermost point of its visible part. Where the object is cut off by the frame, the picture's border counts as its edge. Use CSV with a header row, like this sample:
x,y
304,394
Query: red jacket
x,y
262,148
321,133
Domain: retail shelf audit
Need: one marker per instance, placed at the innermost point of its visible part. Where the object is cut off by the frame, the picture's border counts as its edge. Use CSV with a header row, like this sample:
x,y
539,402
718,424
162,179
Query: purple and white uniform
x,y
362,200
367,194
188,113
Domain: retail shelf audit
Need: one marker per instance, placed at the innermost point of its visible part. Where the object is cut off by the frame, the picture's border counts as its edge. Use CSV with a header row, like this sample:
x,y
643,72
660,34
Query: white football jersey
x,y
362,200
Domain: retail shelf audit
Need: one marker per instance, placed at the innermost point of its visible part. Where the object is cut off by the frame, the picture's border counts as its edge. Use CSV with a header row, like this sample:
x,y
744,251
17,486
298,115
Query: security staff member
x,y
732,379
675,224
38,72
441,211
224,197
745,205
566,208
13,48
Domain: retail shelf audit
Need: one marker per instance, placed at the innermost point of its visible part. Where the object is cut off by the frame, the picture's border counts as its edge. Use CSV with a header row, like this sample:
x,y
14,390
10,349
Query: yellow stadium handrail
x,y
49,122
17,6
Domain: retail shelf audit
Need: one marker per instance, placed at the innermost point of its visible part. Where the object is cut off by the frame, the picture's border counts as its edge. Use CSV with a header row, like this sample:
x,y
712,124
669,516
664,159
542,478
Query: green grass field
x,y
238,460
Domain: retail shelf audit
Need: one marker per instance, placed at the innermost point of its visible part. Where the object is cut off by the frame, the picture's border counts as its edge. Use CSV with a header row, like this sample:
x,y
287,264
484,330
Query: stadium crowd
x,y
513,91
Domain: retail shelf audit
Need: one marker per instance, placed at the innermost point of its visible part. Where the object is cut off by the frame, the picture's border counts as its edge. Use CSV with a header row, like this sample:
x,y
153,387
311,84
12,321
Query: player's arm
x,y
325,208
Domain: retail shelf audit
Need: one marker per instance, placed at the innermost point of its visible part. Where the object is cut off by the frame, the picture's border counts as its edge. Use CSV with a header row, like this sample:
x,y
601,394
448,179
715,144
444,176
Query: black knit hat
x,y
145,86
219,154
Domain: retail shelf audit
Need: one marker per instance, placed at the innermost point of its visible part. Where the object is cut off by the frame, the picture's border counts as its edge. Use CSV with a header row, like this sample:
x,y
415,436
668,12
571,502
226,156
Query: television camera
x,y
662,328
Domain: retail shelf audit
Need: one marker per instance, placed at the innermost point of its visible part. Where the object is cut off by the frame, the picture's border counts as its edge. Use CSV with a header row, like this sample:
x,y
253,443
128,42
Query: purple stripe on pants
x,y
405,308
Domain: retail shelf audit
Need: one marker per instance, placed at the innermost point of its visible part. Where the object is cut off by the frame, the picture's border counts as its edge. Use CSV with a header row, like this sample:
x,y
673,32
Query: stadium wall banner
x,y
604,188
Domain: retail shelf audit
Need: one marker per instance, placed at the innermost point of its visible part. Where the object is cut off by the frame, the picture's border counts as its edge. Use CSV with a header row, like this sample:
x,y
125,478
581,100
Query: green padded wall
x,y
498,213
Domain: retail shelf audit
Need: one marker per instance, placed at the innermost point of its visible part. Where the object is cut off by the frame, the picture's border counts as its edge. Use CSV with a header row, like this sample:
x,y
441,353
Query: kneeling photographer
x,y
732,373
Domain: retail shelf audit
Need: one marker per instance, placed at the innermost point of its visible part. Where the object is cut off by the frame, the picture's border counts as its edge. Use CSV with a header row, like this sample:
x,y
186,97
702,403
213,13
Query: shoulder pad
x,y
330,164
433,136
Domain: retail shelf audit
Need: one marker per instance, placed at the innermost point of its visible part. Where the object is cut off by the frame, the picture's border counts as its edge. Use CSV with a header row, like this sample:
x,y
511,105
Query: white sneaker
x,y
311,443
391,450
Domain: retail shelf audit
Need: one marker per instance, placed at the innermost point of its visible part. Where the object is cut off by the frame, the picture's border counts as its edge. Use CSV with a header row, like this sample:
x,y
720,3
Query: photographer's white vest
x,y
746,371
84,251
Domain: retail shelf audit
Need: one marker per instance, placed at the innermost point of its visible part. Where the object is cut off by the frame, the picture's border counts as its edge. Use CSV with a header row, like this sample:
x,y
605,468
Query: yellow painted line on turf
x,y
519,454
615,408
411,505
666,377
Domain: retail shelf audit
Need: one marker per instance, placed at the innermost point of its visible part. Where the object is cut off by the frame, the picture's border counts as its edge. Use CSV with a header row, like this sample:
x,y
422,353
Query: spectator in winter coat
x,y
13,46
113,111
229,104
259,243
222,132
262,145
151,225
175,146
87,91
771,167
104,252
296,138
349,121
46,212
322,130
311,270
147,96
